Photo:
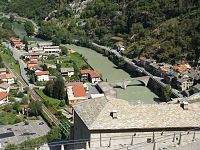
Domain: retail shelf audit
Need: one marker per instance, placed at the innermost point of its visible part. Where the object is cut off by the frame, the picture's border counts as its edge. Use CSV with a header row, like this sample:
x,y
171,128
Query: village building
x,y
52,50
32,56
32,64
42,75
4,87
67,71
3,98
90,75
184,82
2,71
7,78
109,123
75,92
16,43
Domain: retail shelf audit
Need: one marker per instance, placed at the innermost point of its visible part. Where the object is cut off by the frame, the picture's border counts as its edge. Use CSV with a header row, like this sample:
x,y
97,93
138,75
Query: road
x,y
138,68
36,27
24,83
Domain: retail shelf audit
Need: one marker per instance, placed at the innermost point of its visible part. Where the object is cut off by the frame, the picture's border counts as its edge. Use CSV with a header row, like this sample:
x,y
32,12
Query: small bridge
x,y
124,83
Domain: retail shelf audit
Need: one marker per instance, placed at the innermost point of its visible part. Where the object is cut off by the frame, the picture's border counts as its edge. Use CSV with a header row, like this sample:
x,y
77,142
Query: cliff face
x,y
79,5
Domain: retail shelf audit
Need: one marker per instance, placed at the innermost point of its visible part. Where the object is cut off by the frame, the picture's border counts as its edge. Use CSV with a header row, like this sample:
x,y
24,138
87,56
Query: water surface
x,y
137,93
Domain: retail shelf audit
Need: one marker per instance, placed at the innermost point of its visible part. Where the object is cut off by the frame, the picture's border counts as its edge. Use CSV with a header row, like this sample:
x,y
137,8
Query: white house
x,y
91,75
4,87
67,71
7,78
3,98
52,49
42,75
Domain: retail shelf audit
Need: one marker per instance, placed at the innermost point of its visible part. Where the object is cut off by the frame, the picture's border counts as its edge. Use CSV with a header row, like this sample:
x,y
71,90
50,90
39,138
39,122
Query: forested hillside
x,y
166,30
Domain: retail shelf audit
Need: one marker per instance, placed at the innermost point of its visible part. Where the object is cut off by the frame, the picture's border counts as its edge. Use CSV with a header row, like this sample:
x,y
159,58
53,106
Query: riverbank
x,y
136,93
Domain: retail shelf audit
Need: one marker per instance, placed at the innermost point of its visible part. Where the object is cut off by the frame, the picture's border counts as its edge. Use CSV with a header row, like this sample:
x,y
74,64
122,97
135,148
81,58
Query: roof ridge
x,y
107,101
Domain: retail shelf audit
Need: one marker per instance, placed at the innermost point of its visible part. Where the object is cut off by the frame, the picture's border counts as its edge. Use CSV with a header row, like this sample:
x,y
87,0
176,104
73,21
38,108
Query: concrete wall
x,y
138,140
80,131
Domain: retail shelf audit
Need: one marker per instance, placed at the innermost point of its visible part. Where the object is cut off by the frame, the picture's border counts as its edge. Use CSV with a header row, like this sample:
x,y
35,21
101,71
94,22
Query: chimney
x,y
113,114
184,105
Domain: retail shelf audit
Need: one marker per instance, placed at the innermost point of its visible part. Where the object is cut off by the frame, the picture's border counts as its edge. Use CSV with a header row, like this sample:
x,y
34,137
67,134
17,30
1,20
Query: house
x,y
90,75
3,98
2,71
4,87
110,123
67,71
75,92
32,56
7,78
16,43
52,50
184,82
42,75
32,64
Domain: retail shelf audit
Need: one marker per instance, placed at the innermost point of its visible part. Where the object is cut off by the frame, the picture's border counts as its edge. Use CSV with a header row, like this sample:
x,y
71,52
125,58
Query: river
x,y
137,93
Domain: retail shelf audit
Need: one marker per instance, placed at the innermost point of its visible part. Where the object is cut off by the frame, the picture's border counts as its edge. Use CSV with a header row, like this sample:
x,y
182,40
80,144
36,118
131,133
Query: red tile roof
x,y
41,73
95,74
85,71
3,95
92,73
6,76
79,91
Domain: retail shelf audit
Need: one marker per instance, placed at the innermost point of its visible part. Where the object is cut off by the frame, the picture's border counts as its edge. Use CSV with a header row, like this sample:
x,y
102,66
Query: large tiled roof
x,y
89,110
96,115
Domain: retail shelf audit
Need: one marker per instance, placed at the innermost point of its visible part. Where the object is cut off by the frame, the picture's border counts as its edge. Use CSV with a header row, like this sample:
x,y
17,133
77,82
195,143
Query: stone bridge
x,y
124,83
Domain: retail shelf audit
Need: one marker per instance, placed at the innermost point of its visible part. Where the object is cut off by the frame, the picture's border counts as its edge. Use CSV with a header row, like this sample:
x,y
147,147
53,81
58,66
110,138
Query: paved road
x,y
138,68
17,54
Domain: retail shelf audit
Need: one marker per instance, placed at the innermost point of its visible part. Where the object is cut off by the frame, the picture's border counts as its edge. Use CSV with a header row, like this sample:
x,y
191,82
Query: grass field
x,y
66,61
9,59
8,118
52,101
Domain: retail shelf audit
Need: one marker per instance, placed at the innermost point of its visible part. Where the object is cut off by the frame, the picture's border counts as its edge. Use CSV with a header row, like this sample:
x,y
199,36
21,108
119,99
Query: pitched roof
x,y
95,74
95,114
85,71
3,95
39,73
4,85
92,73
79,91
6,76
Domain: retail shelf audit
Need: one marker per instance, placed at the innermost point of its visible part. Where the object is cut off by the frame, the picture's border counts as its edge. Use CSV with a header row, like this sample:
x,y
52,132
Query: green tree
x,y
54,134
36,107
12,18
17,106
29,28
59,88
11,147
167,92
49,87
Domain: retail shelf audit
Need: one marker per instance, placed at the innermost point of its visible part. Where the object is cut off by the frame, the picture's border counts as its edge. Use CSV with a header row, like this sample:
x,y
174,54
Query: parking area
x,y
18,133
